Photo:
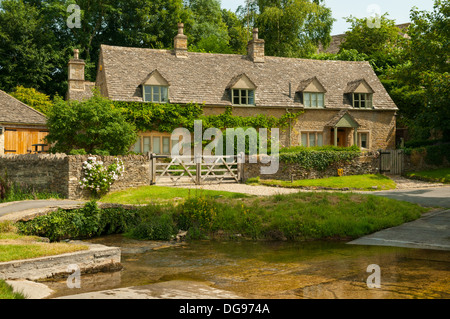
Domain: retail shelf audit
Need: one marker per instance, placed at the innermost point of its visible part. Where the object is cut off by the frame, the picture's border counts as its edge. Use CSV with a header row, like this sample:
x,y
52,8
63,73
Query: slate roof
x,y
204,77
13,111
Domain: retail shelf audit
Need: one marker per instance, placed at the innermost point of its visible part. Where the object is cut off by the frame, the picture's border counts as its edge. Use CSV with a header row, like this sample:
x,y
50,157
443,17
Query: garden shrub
x,y
86,222
319,158
97,178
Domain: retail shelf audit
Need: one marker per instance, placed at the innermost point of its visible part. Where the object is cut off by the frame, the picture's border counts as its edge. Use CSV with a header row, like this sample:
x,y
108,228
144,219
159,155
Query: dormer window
x,y
312,99
156,93
312,92
155,88
360,94
242,91
243,97
362,100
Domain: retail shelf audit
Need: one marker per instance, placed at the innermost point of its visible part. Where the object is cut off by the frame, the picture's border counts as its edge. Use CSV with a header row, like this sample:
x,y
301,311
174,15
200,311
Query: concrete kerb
x,y
21,274
96,258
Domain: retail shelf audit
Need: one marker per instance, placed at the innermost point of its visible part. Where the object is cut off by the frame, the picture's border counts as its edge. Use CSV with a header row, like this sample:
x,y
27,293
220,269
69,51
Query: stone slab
x,y
432,231
30,289
175,289
96,258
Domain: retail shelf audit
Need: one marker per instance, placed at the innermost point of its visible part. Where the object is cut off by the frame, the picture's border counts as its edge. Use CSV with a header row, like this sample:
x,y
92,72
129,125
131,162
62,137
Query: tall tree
x,y
382,44
426,66
27,56
293,28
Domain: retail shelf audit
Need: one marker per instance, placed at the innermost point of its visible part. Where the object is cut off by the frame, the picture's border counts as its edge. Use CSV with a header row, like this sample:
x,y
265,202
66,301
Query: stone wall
x,y
61,173
43,172
366,164
415,162
137,172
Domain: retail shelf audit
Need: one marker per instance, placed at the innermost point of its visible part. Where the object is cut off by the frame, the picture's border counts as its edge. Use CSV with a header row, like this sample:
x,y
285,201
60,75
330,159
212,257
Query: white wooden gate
x,y
201,170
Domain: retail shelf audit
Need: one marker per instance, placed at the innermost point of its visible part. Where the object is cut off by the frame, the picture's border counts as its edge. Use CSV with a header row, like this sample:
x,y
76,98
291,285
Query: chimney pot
x,y
255,33
180,43
76,54
180,28
255,48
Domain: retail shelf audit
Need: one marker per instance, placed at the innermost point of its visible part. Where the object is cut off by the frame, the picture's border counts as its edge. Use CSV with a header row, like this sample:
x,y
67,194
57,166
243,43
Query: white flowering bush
x,y
98,178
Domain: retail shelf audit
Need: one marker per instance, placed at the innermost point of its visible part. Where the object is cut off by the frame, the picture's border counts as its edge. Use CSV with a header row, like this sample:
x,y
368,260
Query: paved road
x,y
428,197
13,207
432,231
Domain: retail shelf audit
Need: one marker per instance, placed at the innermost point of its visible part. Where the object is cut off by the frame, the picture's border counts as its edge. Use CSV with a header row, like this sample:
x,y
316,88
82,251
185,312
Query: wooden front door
x,y
341,137
20,140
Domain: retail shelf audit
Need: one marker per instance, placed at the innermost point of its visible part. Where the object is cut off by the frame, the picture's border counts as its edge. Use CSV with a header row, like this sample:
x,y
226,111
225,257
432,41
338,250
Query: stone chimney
x,y
76,81
255,48
180,43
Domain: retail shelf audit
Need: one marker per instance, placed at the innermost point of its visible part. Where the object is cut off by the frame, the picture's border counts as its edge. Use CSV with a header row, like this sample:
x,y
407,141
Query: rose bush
x,y
98,178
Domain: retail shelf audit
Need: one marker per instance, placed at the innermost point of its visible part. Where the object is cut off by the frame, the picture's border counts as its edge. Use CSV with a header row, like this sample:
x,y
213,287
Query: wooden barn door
x,y
20,141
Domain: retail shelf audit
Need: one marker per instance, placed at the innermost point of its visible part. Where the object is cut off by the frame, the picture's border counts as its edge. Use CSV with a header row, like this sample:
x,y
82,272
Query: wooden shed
x,y
22,128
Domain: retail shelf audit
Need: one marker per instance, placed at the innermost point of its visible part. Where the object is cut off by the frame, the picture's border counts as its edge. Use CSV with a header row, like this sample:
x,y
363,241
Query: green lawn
x,y
6,292
155,194
14,246
360,182
298,216
441,175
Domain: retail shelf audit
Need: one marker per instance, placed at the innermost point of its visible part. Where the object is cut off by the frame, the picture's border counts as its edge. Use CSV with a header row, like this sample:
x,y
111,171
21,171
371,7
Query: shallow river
x,y
277,269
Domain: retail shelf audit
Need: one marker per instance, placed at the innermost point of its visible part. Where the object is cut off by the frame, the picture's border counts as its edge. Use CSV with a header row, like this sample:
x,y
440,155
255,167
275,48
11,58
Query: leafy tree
x,y
382,45
94,125
39,101
426,66
293,28
26,53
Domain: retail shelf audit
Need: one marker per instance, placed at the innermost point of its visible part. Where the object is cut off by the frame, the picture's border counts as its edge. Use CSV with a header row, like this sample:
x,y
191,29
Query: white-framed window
x,y
156,93
362,100
311,99
363,139
157,143
310,139
243,97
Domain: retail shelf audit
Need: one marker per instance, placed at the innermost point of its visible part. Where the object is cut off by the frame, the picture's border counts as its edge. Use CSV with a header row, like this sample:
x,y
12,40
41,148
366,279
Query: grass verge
x,y
369,182
6,292
441,175
155,194
14,246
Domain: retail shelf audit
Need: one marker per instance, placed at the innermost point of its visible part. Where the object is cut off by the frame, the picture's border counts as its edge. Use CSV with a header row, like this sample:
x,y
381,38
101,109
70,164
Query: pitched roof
x,y
304,84
335,120
204,77
352,86
14,111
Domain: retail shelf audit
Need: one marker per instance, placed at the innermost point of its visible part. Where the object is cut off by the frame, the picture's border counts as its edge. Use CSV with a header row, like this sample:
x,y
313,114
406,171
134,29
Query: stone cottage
x,y
22,128
343,103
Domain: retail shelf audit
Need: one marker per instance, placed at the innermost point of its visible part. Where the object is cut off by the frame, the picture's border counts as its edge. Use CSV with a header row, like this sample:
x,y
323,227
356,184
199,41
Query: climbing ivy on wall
x,y
167,117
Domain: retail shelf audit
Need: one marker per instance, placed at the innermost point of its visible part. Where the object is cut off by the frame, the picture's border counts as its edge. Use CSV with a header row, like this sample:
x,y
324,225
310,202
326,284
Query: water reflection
x,y
281,269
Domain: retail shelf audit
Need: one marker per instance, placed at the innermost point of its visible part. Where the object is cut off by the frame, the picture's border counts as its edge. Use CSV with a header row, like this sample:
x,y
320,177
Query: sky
x,y
398,10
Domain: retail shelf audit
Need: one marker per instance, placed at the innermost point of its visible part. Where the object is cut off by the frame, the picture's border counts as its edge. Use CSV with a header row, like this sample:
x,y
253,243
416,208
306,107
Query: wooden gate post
x,y
240,166
152,168
198,169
